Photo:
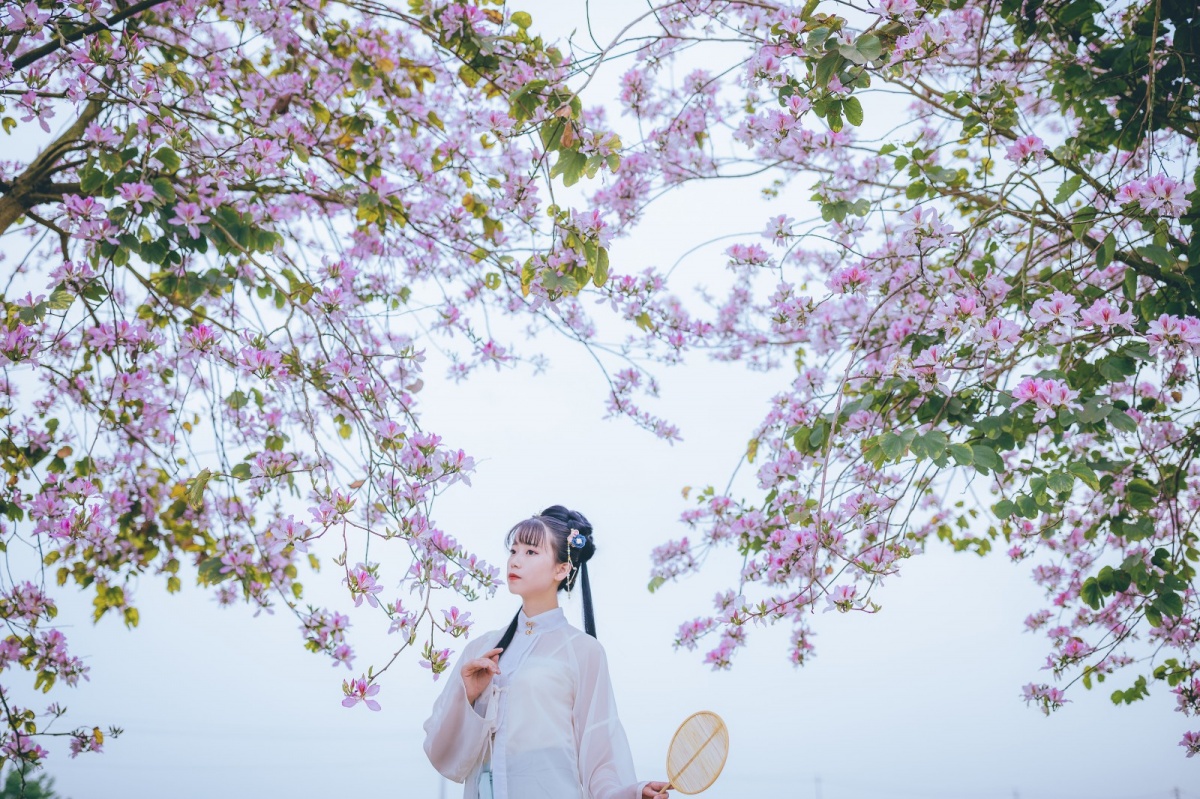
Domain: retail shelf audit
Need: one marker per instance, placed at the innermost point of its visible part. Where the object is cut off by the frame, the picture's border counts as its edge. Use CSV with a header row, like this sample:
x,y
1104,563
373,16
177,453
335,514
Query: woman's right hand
x,y
477,673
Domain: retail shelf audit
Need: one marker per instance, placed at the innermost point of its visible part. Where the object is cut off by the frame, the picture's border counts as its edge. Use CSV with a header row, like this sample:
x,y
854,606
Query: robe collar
x,y
544,622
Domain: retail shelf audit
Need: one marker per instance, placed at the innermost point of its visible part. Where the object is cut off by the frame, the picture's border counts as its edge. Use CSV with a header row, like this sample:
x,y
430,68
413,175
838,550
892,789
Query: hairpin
x,y
577,539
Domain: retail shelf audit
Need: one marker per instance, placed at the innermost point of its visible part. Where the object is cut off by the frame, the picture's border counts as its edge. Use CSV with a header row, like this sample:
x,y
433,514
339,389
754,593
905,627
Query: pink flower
x,y
1058,307
1047,394
1048,698
1168,332
1105,315
189,215
359,691
261,363
1191,740
1161,193
849,281
841,598
779,228
998,334
362,585
904,9
200,337
1025,148
1130,192
136,194
457,622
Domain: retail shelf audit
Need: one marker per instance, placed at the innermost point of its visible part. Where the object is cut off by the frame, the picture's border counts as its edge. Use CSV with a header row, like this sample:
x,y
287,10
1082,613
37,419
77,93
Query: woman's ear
x,y
561,571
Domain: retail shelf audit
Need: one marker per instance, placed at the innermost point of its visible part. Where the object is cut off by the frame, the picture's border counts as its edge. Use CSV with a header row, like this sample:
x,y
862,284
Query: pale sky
x,y
919,700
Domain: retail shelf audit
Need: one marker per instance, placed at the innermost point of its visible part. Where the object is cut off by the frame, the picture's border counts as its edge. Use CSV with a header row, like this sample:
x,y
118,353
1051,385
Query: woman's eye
x,y
530,552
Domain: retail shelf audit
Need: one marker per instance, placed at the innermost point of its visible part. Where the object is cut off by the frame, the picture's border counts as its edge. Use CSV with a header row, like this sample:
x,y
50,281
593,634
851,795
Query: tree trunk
x,y
18,198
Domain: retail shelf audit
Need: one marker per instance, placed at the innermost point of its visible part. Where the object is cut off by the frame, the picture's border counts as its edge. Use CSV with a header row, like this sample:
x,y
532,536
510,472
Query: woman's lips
x,y
512,577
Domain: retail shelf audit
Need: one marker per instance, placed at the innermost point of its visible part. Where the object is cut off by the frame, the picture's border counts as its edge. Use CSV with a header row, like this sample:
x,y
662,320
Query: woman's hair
x,y
556,522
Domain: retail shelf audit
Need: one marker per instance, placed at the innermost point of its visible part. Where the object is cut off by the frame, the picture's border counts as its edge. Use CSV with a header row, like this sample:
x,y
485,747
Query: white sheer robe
x,y
547,724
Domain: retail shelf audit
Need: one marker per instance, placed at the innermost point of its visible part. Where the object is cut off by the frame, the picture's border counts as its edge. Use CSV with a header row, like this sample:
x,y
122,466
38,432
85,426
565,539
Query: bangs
x,y
529,532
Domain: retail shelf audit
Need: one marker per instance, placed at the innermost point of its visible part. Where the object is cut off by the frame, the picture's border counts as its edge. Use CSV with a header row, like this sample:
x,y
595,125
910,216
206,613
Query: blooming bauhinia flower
x,y
1105,315
1057,308
359,691
1047,697
136,193
779,228
841,598
998,333
190,216
1025,148
1168,332
1047,394
362,585
1191,742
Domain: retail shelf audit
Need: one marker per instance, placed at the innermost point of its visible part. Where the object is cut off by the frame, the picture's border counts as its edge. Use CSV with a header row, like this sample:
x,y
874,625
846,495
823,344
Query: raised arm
x,y
456,735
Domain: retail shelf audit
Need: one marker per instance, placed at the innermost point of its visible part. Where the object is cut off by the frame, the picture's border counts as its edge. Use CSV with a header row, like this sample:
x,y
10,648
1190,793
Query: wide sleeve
x,y
605,762
456,735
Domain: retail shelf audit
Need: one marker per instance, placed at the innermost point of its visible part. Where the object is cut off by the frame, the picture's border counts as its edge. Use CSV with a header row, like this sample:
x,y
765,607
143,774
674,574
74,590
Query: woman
x,y
530,714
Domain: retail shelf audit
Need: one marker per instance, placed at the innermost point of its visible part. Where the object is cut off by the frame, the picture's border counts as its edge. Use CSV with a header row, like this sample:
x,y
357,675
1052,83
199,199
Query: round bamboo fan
x,y
697,752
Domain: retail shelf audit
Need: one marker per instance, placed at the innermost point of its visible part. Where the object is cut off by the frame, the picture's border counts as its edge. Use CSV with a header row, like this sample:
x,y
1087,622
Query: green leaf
x,y
168,158
852,55
1170,604
570,165
241,471
1089,592
1122,421
656,583
962,454
196,486
869,46
1060,482
985,458
522,19
826,67
1082,222
600,276
61,299
164,189
892,446
853,110
1068,187
1084,473
210,571
1159,255
1106,251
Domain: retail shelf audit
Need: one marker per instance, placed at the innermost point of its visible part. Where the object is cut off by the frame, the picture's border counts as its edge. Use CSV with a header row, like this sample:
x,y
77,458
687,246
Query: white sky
x,y
920,700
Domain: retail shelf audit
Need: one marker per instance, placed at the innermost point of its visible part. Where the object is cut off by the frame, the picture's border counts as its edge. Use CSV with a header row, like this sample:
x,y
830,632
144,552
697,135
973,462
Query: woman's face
x,y
533,569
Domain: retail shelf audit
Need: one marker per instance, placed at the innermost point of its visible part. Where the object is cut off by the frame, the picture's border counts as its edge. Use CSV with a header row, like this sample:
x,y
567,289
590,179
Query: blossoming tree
x,y
210,355
993,322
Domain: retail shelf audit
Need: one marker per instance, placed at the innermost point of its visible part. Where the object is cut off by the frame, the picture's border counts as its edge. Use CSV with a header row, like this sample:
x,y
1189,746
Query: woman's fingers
x,y
481,664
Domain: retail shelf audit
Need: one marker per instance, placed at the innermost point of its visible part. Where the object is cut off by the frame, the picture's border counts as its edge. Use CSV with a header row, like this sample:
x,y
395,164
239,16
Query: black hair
x,y
557,522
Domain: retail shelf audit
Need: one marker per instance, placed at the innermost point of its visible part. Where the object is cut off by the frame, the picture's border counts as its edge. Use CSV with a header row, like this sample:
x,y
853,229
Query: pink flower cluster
x,y
1026,148
1172,334
1045,393
1160,194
